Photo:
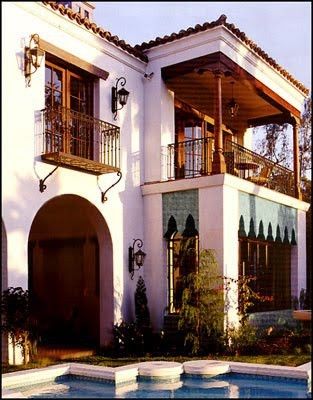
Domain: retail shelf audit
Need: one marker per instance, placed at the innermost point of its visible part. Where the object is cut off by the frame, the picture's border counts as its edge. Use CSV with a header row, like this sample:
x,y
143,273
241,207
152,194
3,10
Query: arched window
x,y
182,259
268,260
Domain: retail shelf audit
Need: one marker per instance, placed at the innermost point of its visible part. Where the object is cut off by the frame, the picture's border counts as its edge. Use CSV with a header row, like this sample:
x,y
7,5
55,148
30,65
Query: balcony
x,y
78,141
193,158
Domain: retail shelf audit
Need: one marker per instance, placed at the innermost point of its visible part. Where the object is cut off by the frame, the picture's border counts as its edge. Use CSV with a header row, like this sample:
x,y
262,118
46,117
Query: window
x,y
269,263
192,145
182,255
86,14
68,101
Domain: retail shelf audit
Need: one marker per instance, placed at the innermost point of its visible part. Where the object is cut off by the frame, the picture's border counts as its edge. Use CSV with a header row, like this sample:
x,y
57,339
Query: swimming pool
x,y
152,380
226,386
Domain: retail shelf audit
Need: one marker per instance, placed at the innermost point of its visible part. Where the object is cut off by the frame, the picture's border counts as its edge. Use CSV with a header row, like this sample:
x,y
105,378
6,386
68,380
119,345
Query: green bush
x,y
202,312
243,339
128,339
16,320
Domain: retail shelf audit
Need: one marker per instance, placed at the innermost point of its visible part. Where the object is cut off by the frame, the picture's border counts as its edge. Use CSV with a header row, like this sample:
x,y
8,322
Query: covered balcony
x,y
194,158
79,141
216,101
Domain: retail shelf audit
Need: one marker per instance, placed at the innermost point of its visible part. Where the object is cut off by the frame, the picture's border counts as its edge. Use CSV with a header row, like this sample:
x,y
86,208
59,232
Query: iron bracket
x,y
103,194
42,186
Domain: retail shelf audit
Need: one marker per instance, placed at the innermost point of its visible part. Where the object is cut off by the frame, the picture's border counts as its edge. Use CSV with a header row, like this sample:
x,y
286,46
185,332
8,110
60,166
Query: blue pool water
x,y
226,386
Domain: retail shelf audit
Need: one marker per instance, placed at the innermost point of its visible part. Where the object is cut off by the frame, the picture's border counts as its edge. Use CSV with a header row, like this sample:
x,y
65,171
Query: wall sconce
x,y
232,107
119,96
135,260
32,58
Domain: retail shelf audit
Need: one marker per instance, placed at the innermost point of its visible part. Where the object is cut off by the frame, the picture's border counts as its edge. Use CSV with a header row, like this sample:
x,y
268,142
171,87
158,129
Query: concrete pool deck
x,y
159,370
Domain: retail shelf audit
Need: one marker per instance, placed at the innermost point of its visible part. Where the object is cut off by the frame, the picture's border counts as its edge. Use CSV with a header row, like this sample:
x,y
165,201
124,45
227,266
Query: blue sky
x,y
281,29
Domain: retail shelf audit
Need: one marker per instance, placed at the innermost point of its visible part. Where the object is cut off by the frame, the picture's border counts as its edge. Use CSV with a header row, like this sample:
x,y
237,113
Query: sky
x,y
281,29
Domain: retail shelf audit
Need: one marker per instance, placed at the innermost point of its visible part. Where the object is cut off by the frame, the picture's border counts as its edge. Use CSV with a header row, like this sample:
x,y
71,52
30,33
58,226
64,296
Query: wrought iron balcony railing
x,y
193,158
189,159
250,165
80,141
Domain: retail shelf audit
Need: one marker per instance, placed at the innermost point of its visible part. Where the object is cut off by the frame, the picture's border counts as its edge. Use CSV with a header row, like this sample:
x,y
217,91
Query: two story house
x,y
110,151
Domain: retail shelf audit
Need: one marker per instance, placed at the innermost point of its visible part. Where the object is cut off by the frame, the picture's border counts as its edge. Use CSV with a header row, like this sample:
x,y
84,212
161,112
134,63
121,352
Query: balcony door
x,y
68,103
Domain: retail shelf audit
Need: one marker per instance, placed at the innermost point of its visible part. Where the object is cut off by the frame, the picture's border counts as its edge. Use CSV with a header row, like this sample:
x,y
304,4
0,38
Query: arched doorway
x,y
66,268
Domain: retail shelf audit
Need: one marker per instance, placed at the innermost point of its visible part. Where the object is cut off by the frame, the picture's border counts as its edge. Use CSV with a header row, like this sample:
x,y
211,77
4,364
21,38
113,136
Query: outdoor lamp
x,y
232,106
135,259
119,96
32,58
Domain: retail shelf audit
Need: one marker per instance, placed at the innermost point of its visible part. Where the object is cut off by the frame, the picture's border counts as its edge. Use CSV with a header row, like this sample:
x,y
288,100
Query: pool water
x,y
231,385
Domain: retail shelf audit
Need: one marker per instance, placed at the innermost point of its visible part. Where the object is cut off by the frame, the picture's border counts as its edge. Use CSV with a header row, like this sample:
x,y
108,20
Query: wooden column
x,y
296,164
218,165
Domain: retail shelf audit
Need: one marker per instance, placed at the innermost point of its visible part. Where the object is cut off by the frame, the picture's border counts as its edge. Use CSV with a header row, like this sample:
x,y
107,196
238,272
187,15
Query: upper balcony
x,y
217,99
79,141
194,158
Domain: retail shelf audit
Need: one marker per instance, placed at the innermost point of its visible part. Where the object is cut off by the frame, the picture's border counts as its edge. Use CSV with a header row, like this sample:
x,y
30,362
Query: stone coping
x,y
160,370
206,367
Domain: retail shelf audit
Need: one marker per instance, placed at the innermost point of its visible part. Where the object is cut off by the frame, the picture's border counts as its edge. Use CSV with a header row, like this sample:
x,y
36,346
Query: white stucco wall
x,y
219,214
147,124
21,165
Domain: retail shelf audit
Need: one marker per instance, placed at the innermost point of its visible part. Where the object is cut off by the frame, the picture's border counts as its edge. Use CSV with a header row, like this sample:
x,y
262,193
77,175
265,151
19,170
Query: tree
x,y
275,145
276,142
305,139
141,305
202,312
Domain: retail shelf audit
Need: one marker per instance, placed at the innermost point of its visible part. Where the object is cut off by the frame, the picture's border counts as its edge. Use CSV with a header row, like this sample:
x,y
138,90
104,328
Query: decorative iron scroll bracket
x,y
103,194
42,186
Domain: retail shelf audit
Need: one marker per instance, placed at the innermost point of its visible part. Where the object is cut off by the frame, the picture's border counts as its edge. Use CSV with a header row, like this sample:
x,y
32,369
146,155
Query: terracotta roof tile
x,y
138,50
241,35
95,29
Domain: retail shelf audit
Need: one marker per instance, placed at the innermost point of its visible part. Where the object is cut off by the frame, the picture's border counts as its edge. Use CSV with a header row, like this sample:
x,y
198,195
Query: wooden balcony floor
x,y
78,163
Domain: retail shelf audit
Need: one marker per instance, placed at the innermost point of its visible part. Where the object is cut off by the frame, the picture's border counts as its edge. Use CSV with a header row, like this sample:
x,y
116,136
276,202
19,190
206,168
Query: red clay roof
x,y
241,35
95,29
138,50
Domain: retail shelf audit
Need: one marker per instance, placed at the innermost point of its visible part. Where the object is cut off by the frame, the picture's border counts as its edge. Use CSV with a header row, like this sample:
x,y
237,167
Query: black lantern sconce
x,y
232,106
119,96
32,58
135,260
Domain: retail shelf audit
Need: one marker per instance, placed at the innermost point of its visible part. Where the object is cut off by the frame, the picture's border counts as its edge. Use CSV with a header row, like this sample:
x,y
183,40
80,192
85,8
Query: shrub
x,y
243,339
141,305
128,339
142,314
202,311
16,320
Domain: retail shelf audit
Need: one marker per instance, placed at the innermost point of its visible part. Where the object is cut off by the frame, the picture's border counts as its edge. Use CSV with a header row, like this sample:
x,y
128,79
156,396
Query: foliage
x,y
128,339
242,340
291,360
247,296
305,138
17,322
202,311
135,337
275,144
282,340
206,303
303,302
141,305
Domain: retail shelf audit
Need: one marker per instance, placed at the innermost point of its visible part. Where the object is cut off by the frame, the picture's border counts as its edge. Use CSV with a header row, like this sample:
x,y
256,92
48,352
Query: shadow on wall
x,y
19,209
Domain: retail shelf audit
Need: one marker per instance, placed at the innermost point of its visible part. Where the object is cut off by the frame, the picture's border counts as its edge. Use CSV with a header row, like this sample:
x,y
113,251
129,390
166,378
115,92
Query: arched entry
x,y
70,255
